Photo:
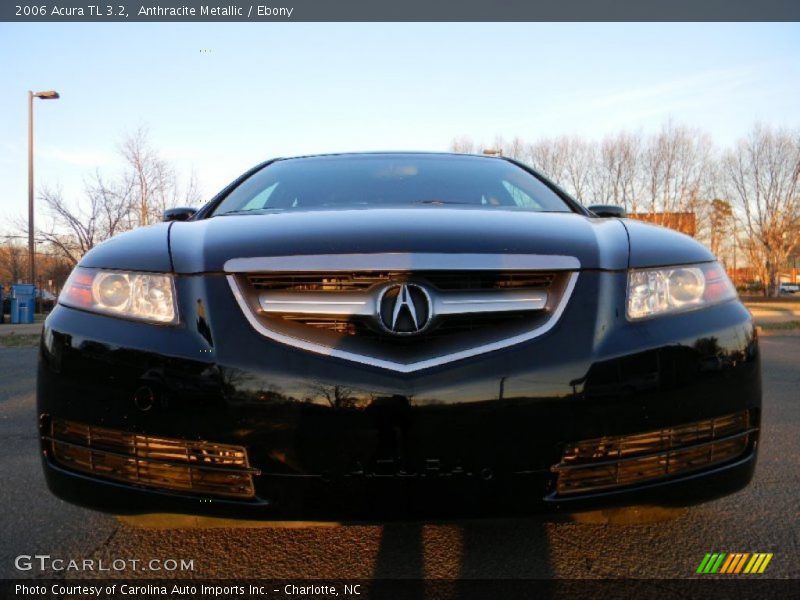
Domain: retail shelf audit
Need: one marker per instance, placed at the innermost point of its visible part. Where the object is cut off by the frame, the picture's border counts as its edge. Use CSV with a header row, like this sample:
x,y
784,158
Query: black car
x,y
375,335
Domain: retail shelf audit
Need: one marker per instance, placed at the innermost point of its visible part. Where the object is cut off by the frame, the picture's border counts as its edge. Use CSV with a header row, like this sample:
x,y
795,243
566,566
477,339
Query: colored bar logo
x,y
734,563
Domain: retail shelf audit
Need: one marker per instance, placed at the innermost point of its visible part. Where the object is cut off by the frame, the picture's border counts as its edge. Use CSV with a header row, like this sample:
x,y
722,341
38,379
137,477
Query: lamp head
x,y
47,95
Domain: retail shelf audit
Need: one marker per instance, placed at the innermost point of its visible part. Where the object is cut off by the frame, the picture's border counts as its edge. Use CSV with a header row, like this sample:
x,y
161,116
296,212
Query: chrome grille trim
x,y
457,303
317,303
401,261
251,305
363,304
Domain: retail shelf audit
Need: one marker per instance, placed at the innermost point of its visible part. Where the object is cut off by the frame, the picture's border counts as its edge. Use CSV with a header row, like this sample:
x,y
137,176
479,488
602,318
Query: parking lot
x,y
640,542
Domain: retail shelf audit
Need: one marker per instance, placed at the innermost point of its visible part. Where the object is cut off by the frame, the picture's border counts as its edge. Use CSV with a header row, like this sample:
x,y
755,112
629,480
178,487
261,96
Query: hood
x,y
205,245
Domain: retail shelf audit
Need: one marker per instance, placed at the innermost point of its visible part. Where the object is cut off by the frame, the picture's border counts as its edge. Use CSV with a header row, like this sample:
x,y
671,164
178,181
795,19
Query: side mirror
x,y
608,210
180,213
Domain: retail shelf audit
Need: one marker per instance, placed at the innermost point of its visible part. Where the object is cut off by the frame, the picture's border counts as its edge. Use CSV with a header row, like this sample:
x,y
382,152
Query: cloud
x,y
698,88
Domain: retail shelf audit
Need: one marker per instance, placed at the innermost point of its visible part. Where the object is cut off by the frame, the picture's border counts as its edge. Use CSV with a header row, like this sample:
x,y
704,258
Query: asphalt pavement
x,y
641,543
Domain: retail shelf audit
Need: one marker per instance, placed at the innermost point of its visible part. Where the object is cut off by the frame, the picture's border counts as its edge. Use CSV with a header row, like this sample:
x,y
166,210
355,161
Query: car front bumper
x,y
332,439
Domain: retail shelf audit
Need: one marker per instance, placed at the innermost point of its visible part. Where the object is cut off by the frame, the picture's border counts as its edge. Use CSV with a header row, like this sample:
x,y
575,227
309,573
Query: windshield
x,y
390,180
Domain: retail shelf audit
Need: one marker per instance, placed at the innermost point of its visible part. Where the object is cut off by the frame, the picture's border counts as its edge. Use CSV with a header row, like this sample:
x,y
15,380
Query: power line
x,y
23,237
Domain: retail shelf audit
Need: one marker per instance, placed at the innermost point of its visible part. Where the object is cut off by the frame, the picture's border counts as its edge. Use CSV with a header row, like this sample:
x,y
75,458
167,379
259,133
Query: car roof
x,y
397,153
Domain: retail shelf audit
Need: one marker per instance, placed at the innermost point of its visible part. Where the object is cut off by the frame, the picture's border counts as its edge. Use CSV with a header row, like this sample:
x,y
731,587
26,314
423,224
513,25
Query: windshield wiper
x,y
245,210
439,202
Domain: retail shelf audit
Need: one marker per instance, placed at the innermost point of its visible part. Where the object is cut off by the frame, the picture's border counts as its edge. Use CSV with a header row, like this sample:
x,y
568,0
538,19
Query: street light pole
x,y
48,95
31,254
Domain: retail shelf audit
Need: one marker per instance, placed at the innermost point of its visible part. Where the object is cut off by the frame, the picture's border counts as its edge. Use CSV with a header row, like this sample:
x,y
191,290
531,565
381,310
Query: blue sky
x,y
261,90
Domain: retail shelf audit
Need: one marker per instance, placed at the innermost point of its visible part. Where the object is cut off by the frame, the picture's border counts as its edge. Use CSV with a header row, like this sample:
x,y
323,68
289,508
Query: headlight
x,y
131,295
654,292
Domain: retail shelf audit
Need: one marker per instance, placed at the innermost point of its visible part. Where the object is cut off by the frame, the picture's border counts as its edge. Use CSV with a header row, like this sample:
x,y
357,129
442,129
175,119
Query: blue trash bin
x,y
2,310
13,310
22,302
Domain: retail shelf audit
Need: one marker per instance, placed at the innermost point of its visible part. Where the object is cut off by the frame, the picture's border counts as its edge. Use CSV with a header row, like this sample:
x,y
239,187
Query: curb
x,y
8,333
777,332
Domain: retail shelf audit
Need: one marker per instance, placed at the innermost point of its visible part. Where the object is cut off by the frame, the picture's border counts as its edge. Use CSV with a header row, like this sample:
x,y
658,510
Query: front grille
x,y
346,286
617,461
403,311
202,468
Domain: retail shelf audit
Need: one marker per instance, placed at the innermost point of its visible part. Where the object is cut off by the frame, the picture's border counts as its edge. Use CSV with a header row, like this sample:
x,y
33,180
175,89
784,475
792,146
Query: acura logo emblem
x,y
404,308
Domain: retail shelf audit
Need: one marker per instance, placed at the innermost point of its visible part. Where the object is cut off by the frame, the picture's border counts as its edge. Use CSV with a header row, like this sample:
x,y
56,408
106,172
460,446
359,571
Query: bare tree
x,y
515,149
721,226
337,396
617,180
580,167
72,231
138,196
568,160
752,190
462,145
147,173
763,173
669,172
548,156
13,262
152,180
53,271
675,164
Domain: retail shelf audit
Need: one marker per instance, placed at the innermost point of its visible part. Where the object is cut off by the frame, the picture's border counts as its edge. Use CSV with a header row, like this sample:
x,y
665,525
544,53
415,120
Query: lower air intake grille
x,y
201,468
610,462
